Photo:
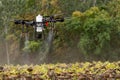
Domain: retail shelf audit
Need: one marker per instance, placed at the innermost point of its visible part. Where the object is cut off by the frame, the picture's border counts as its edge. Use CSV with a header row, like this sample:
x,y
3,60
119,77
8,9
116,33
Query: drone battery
x,y
39,29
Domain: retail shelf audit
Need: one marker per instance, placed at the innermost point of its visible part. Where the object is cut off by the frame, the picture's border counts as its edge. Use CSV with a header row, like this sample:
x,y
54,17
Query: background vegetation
x,y
91,30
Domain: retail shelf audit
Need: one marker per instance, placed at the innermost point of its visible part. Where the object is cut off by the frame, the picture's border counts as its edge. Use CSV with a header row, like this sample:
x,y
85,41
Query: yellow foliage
x,y
95,9
54,2
91,11
29,16
77,14
44,2
47,71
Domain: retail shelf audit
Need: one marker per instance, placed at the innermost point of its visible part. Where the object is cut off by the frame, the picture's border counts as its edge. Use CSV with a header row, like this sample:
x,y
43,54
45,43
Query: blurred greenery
x,y
92,26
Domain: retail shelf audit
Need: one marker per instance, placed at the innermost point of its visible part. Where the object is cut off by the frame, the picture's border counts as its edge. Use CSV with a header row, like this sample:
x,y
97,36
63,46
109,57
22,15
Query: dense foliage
x,y
61,71
93,27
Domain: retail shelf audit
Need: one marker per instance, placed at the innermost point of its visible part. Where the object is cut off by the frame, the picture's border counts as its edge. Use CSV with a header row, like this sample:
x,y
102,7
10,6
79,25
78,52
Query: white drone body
x,y
39,20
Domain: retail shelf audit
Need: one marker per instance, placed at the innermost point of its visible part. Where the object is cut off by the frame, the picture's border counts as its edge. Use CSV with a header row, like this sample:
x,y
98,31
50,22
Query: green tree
x,y
93,28
113,9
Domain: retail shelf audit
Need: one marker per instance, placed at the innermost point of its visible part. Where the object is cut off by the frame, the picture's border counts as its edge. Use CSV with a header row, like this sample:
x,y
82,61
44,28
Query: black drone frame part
x,y
25,22
52,19
32,22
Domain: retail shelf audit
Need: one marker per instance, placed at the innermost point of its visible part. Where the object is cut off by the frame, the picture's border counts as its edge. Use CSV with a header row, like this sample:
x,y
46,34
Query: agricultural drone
x,y
40,24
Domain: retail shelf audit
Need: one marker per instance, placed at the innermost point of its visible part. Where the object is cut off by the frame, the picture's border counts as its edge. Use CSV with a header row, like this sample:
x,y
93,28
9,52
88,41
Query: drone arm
x,y
60,20
31,23
18,21
54,20
26,22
